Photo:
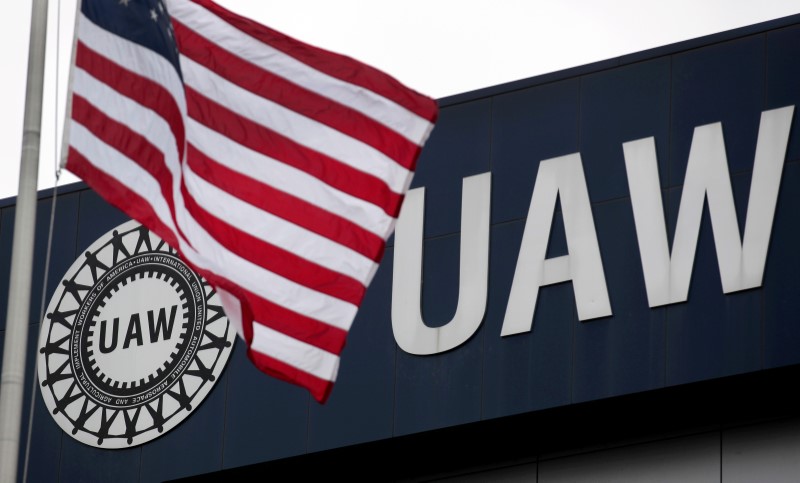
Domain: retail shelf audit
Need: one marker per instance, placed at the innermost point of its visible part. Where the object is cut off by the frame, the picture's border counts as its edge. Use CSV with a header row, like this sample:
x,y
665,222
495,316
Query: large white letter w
x,y
741,263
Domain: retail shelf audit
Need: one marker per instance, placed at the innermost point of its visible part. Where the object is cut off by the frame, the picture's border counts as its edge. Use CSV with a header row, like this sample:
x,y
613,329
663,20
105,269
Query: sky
x,y
437,47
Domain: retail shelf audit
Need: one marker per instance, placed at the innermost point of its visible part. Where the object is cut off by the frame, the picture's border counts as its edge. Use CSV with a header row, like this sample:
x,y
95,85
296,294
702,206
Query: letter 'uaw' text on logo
x,y
132,342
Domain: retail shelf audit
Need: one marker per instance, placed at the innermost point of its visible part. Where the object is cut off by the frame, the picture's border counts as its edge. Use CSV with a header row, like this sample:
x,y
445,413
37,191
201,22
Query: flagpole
x,y
16,337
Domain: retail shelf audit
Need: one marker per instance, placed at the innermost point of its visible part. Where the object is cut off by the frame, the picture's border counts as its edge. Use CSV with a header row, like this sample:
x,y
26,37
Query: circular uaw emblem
x,y
132,342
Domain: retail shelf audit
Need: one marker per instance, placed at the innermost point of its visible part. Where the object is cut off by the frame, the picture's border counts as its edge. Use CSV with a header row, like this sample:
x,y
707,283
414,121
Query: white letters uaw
x,y
667,276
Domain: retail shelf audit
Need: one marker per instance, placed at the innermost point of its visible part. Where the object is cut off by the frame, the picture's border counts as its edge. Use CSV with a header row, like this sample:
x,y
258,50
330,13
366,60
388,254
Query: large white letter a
x,y
558,177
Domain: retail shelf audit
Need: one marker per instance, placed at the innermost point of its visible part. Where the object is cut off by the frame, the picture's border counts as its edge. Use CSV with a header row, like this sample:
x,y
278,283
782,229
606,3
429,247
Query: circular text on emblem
x,y
132,342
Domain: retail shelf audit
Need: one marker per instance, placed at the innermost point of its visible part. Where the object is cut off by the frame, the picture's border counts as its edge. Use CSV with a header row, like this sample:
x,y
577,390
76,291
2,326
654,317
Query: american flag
x,y
275,168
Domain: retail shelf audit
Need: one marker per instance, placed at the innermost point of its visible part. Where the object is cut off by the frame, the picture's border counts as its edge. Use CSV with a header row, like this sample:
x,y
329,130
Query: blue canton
x,y
145,22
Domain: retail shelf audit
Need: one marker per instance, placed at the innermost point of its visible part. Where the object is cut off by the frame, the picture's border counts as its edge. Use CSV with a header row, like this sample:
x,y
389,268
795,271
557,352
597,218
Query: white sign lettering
x,y
410,331
741,265
667,277
558,177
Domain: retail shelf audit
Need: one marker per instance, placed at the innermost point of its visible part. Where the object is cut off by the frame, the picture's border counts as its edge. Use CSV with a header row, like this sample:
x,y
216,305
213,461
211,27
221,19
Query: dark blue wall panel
x,y
617,106
529,126
194,446
6,236
63,248
61,256
265,419
782,297
79,462
95,218
719,83
713,334
531,370
623,353
783,77
444,389
458,147
360,408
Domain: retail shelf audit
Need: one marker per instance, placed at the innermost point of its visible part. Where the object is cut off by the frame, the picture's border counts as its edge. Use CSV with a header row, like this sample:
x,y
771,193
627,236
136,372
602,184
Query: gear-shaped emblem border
x,y
83,401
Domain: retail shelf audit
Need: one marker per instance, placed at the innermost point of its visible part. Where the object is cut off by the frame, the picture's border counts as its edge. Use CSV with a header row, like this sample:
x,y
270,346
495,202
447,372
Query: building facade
x,y
597,283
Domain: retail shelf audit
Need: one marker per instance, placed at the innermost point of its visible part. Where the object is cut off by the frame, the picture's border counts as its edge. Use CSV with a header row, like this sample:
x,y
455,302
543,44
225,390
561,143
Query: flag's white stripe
x,y
134,57
300,129
252,277
130,113
277,231
121,168
217,258
288,179
232,307
295,353
137,118
207,253
379,108
149,65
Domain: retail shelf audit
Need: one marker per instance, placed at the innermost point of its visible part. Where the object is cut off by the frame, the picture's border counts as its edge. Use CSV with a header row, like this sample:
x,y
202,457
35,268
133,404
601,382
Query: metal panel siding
x,y
782,285
95,218
623,353
458,147
79,462
193,447
62,251
444,389
6,236
617,106
360,409
532,370
528,126
783,77
713,334
265,419
719,83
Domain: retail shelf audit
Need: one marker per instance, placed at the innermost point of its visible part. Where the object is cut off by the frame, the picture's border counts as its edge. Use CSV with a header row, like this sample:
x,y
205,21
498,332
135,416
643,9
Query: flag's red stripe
x,y
277,89
269,143
297,326
277,317
292,324
275,259
119,195
130,143
136,87
343,118
320,389
335,65
286,206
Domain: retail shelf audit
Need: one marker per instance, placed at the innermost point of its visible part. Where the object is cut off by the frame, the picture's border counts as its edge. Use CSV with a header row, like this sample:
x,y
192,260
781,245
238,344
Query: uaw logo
x,y
132,342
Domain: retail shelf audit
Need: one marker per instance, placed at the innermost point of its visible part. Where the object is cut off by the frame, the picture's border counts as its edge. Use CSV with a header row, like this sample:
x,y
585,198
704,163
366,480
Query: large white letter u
x,y
410,331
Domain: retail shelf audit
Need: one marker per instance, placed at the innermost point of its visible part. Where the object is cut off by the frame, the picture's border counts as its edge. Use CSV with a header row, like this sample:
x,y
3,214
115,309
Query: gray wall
x,y
765,452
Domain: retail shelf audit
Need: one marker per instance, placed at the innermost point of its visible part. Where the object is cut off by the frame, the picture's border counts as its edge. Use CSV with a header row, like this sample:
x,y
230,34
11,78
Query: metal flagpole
x,y
19,293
